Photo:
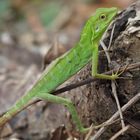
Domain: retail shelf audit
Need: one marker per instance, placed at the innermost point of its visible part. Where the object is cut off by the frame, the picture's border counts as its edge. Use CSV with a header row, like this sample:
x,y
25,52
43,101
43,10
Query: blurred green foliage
x,y
49,12
4,7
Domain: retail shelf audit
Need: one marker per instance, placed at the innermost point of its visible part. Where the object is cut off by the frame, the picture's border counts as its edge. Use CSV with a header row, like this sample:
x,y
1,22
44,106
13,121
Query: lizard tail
x,y
18,107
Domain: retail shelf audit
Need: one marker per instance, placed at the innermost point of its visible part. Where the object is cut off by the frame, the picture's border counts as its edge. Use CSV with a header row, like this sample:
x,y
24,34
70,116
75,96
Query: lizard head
x,y
101,20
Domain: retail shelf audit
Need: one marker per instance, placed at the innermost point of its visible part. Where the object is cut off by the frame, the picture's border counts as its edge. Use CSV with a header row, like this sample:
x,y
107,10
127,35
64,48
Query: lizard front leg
x,y
95,57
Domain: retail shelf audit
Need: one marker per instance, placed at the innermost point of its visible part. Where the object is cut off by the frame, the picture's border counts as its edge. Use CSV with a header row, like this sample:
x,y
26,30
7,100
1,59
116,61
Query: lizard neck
x,y
88,38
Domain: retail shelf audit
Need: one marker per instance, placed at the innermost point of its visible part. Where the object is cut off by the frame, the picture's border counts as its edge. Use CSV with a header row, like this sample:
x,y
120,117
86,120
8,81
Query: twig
x,y
120,132
114,90
124,108
106,52
111,37
99,126
118,104
89,133
105,124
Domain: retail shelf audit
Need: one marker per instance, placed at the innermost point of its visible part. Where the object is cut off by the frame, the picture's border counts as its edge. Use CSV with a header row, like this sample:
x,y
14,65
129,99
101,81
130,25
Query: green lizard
x,y
71,62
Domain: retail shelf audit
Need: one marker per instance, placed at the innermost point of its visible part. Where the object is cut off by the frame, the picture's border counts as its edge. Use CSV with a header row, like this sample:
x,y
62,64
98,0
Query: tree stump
x,y
95,102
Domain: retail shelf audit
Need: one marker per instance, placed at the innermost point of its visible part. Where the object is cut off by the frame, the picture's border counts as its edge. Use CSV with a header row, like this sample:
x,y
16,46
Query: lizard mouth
x,y
113,14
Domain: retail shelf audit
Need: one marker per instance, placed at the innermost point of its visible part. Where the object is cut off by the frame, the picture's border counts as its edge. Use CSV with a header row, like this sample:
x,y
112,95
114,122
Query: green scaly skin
x,y
67,65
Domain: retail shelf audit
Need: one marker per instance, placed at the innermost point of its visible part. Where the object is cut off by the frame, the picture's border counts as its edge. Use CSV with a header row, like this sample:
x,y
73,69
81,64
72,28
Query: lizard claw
x,y
85,130
117,74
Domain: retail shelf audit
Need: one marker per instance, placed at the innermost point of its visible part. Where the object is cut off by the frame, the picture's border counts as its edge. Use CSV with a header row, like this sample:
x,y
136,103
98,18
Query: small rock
x,y
6,131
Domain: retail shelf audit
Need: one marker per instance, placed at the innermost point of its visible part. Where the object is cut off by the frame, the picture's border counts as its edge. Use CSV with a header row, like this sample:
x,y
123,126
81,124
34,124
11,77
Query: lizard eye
x,y
103,16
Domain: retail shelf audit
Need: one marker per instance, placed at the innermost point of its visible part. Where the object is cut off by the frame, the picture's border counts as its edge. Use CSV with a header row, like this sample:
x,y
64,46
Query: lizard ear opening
x,y
96,29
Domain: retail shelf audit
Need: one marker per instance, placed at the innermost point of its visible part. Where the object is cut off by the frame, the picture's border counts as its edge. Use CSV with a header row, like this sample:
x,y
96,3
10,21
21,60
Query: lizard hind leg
x,y
69,105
